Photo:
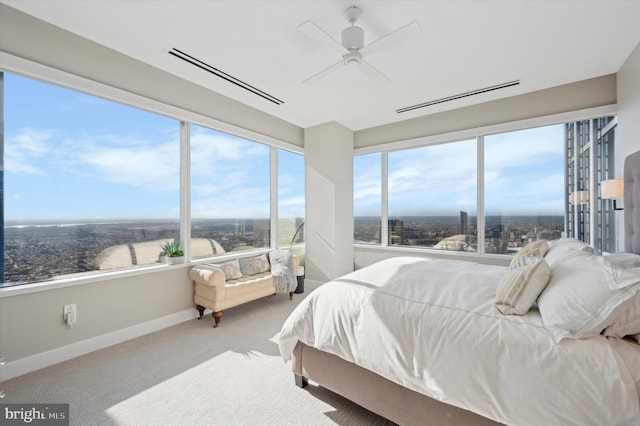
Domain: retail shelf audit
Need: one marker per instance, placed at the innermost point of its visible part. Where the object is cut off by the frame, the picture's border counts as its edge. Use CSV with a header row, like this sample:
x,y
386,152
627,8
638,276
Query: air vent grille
x,y
219,73
459,96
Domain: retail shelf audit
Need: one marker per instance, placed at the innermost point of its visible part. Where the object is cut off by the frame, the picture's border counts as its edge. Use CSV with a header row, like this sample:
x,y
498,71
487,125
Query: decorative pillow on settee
x,y
254,265
231,269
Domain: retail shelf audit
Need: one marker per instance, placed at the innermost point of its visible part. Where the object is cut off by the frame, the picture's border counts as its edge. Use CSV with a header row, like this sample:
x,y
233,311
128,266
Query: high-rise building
x,y
396,232
589,148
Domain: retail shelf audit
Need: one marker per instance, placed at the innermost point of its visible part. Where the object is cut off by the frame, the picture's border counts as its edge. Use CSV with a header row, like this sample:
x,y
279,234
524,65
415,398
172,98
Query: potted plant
x,y
172,252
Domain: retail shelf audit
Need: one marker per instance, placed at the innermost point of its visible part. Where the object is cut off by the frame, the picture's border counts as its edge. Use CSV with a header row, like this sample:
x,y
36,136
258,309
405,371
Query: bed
x,y
551,339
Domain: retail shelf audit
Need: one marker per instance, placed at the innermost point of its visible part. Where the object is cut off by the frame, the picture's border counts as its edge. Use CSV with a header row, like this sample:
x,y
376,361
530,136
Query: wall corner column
x,y
329,206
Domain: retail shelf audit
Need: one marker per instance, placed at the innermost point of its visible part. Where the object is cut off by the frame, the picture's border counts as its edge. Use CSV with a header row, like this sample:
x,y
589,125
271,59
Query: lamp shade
x,y
611,189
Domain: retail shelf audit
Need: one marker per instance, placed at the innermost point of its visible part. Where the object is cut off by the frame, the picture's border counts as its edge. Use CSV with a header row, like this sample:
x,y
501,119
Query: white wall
x,y
576,96
329,201
109,310
628,130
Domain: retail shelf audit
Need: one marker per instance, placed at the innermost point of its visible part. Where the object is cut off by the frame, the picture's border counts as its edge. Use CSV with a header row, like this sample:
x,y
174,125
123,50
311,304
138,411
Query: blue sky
x,y
72,156
524,175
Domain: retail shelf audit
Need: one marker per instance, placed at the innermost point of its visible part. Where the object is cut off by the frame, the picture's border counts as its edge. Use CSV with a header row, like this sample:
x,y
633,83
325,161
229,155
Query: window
x,y
89,184
92,185
230,193
533,183
432,196
290,197
524,187
367,198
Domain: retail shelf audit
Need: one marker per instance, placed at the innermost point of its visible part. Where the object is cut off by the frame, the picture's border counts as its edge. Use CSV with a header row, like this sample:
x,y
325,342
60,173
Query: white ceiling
x,y
465,45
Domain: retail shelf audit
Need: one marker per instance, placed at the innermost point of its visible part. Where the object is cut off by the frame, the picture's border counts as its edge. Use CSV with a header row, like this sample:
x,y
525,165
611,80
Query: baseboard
x,y
313,283
54,356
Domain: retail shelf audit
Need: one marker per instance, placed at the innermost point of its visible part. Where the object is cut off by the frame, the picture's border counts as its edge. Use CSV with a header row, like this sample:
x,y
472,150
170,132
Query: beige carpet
x,y
192,374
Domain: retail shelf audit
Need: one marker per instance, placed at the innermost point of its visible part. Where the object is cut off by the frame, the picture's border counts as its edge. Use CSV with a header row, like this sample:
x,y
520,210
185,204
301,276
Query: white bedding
x,y
431,325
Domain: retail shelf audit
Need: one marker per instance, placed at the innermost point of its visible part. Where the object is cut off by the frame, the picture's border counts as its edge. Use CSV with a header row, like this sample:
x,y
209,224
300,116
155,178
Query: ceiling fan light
x,y
352,58
353,38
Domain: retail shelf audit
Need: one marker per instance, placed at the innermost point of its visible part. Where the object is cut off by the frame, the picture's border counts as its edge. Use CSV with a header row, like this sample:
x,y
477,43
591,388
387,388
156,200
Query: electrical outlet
x,y
69,315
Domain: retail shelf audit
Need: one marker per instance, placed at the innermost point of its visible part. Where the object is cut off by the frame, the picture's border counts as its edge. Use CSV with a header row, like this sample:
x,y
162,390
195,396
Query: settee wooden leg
x,y
290,295
216,317
200,310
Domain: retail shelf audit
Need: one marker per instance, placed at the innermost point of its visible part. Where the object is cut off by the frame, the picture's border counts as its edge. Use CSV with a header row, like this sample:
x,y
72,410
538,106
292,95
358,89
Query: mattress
x,y
431,325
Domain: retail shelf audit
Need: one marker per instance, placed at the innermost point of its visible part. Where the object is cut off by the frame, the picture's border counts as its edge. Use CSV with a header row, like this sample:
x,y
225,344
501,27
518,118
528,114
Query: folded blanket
x,y
282,271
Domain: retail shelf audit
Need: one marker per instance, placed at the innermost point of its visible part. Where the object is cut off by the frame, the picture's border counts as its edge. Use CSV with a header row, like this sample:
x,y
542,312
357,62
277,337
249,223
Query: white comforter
x,y
431,325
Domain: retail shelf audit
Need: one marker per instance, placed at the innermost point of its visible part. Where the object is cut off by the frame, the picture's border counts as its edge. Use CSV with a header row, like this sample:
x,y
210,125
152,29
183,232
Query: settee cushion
x,y
230,268
254,265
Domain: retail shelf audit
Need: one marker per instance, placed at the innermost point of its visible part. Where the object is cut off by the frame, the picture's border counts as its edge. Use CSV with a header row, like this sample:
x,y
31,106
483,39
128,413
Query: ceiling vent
x,y
215,71
459,96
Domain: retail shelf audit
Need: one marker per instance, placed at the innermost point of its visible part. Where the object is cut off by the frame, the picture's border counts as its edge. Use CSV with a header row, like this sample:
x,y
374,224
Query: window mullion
x,y
480,194
384,189
185,188
273,215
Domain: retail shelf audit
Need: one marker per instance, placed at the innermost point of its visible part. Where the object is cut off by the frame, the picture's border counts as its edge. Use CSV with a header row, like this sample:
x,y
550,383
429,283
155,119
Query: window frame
x,y
48,75
477,133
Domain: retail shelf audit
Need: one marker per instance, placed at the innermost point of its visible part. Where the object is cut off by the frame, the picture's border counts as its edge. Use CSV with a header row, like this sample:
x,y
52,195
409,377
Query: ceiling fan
x,y
353,49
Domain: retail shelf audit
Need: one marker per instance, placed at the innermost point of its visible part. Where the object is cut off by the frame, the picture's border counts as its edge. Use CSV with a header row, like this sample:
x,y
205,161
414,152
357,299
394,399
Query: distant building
x,y
464,223
396,232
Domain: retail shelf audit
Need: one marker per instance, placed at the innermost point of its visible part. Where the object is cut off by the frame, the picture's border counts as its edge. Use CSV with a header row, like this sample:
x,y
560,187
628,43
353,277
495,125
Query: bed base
x,y
375,393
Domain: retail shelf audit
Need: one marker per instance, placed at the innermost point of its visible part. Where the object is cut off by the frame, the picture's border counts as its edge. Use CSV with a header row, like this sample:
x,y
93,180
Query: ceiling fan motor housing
x,y
353,38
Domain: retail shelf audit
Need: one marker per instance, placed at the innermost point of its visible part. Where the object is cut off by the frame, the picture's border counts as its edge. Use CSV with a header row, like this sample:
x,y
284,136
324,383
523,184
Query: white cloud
x,y
22,152
522,169
230,176
136,162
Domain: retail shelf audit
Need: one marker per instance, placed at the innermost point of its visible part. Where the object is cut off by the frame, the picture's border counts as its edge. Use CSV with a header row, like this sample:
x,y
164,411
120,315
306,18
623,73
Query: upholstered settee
x,y
224,285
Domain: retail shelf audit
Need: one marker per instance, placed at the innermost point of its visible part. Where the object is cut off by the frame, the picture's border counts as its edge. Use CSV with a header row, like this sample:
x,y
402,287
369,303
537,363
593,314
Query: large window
x,y
432,196
230,193
89,184
92,185
524,183
534,183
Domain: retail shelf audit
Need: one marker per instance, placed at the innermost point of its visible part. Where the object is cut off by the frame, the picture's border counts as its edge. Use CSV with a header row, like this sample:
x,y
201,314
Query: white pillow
x,y
626,319
559,249
623,269
520,286
577,303
538,248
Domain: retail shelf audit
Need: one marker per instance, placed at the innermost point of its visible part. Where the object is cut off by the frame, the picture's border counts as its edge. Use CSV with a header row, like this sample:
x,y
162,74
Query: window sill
x,y
82,279
487,258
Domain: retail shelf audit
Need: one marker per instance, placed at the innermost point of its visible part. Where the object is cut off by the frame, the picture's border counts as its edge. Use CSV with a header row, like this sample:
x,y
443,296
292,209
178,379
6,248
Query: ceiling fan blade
x,y
402,33
373,73
324,73
318,34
